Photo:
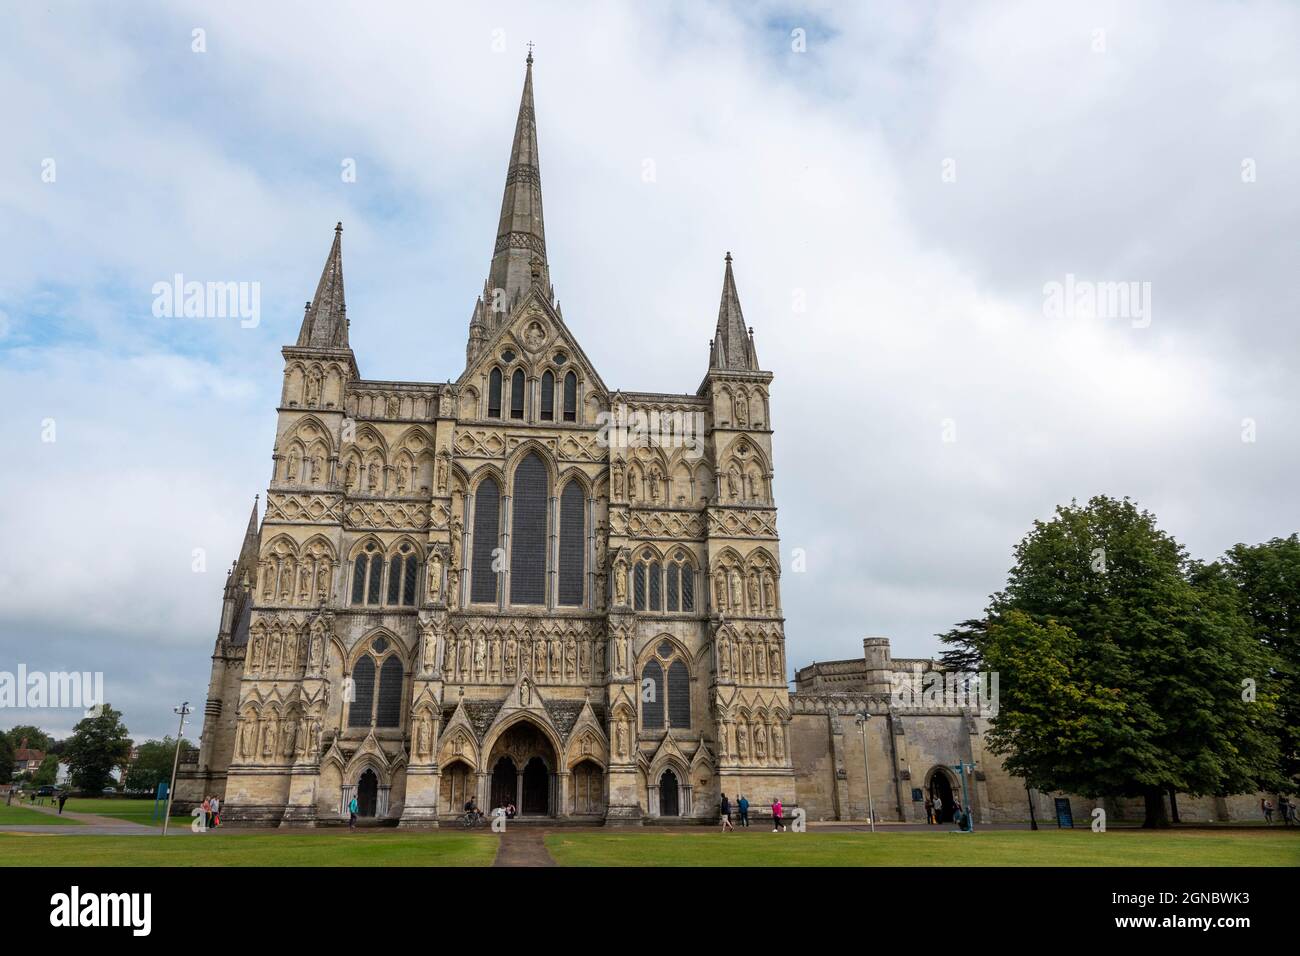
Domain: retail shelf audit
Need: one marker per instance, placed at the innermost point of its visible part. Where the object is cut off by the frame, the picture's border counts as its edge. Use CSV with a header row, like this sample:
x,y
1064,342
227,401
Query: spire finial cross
x,y
530,51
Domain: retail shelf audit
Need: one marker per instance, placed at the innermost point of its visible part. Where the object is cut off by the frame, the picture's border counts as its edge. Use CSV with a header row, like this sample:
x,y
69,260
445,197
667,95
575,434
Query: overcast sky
x,y
899,184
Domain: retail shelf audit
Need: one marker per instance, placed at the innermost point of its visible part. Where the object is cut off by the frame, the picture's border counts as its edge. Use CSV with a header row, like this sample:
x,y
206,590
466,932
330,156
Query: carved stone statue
x,y
430,647
456,527
433,589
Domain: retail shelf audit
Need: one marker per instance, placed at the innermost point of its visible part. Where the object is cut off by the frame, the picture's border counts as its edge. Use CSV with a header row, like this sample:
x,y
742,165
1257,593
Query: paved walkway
x,y
523,847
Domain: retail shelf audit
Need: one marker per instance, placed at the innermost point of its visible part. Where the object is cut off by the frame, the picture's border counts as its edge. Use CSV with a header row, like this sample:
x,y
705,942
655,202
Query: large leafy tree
x,y
36,738
153,764
48,772
6,759
1134,683
97,746
1268,578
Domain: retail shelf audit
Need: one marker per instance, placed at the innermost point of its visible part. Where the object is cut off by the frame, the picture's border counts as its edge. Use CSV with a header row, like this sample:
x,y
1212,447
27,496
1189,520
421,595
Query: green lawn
x,y
333,847
760,847
19,815
134,811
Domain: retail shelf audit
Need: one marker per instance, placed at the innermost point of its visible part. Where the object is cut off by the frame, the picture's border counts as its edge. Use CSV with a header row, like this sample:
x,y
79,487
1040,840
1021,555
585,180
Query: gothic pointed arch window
x,y
652,695
375,698
573,544
528,532
547,412
361,707
494,393
403,572
681,584
367,574
655,575
388,703
517,394
570,397
638,585
487,527
666,689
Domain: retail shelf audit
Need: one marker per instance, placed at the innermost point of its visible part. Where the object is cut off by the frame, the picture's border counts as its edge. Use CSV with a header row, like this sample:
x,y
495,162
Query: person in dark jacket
x,y
743,806
726,815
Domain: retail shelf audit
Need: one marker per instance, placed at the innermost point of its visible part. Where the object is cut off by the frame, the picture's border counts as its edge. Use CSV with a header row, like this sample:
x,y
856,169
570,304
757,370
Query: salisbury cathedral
x,y
524,587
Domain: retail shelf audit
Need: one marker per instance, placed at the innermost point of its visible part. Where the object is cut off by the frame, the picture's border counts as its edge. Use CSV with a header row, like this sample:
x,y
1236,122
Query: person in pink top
x,y
777,823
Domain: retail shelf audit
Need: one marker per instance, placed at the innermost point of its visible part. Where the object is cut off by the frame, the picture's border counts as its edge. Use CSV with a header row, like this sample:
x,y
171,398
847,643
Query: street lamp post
x,y
863,717
184,711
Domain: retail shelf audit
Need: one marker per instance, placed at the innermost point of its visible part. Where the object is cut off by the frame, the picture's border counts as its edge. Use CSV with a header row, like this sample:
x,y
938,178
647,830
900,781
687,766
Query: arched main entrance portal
x,y
505,789
536,788
523,766
669,806
940,788
367,794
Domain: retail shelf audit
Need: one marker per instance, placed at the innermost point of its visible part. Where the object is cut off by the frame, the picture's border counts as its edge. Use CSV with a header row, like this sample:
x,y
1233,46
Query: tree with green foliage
x,y
48,772
1133,684
6,759
1268,578
36,738
97,746
153,764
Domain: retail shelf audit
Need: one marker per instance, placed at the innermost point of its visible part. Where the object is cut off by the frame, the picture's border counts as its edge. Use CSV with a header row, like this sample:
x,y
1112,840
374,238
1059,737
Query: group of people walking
x,y
1285,808
742,811
211,812
934,809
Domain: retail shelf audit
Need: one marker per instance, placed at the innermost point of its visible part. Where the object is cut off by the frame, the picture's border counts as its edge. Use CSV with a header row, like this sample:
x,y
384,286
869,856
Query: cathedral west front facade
x,y
519,585
523,586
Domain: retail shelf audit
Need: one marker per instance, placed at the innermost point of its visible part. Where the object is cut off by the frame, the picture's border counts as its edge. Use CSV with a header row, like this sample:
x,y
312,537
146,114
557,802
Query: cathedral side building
x,y
520,586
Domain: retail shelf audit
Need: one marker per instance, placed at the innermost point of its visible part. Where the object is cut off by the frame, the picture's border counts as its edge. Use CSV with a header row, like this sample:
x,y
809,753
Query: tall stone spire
x,y
519,258
325,321
733,345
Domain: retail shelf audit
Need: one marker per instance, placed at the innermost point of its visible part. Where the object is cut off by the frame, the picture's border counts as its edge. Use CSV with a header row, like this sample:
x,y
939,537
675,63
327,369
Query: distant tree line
x,y
99,745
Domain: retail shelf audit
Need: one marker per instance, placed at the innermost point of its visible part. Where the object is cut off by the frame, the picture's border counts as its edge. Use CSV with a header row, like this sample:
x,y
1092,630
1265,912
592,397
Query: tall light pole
x,y
184,711
863,717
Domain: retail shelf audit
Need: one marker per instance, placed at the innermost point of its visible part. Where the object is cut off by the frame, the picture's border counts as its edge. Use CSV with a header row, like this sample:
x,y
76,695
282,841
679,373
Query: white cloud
x,y
819,171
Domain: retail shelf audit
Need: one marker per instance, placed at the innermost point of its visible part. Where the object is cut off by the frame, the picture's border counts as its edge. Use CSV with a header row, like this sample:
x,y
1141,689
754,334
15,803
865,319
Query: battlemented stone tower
x,y
520,586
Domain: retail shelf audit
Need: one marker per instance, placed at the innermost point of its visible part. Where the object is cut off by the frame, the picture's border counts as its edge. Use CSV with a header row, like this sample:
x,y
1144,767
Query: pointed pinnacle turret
x,y
248,551
519,258
325,322
733,345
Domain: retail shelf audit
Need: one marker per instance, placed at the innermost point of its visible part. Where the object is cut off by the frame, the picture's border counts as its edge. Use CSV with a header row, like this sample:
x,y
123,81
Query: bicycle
x,y
473,818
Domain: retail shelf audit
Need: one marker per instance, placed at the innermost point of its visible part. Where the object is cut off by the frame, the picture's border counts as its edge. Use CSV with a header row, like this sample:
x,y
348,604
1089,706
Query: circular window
x,y
560,358
665,649
380,645
508,355
370,546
